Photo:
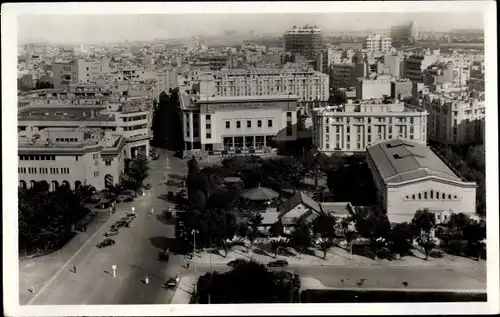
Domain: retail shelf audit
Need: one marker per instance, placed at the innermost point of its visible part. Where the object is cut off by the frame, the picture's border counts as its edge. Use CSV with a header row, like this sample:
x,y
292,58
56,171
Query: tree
x,y
425,222
255,221
324,230
400,239
475,234
373,225
137,172
350,233
301,235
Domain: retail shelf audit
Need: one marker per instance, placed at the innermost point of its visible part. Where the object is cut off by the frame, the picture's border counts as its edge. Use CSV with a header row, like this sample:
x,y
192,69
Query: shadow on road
x,y
107,272
161,242
165,218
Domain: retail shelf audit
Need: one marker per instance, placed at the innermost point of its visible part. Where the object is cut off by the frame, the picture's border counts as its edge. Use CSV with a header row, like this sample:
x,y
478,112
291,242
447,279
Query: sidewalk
x,y
335,257
184,291
37,271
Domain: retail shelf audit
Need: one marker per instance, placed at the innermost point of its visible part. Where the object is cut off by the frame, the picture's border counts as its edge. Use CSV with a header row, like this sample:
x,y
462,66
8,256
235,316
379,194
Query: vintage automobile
x,y
106,243
278,263
236,262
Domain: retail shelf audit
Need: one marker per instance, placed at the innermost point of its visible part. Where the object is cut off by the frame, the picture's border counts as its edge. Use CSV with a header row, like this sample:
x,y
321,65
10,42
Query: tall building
x,y
414,35
326,58
341,75
237,123
377,43
355,126
416,64
305,83
306,41
409,177
455,118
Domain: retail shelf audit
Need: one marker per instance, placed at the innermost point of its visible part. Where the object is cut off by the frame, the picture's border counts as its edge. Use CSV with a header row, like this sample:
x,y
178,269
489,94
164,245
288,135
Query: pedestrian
x,y
74,268
85,228
146,280
187,265
152,211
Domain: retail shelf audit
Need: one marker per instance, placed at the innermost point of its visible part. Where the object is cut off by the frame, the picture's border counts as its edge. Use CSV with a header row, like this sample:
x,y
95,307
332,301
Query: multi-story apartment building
x,y
454,117
355,126
375,88
416,64
79,71
395,63
70,157
326,58
438,73
401,88
305,83
341,75
131,117
237,122
306,41
377,43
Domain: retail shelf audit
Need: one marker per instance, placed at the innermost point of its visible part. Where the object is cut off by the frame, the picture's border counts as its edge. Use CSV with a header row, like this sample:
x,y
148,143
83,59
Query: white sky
x,y
104,28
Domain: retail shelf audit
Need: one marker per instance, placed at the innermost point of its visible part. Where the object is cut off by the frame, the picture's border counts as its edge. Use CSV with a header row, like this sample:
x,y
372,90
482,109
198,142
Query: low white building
x,y
355,126
409,176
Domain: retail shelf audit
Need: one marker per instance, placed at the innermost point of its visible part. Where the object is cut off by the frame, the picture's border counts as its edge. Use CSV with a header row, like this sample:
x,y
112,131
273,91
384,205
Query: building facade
x,y
341,75
306,41
305,83
416,64
377,43
70,157
237,123
409,177
79,71
376,88
356,126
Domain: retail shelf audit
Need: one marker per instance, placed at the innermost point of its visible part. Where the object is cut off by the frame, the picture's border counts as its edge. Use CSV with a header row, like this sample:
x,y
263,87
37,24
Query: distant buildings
x,y
306,41
414,35
416,64
409,177
237,123
355,126
377,43
79,71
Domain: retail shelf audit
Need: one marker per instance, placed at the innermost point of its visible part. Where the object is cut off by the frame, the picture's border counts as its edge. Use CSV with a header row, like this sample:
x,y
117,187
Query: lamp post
x,y
194,232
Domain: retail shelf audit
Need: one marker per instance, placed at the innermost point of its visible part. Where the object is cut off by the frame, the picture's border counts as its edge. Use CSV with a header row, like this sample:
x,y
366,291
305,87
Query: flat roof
x,y
399,161
246,98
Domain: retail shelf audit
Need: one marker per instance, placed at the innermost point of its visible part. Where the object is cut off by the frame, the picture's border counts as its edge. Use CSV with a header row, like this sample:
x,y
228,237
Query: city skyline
x,y
89,29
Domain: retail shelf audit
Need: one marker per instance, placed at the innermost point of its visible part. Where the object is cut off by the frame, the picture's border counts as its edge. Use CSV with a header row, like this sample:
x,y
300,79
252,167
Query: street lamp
x,y
194,232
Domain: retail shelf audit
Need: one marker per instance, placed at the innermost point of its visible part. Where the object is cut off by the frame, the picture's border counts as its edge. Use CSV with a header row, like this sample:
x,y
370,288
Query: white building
x,y
416,64
305,83
376,88
377,43
355,126
455,117
237,123
70,157
409,176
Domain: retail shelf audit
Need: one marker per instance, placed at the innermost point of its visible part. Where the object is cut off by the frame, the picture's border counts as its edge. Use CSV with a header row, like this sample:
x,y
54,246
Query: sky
x,y
75,29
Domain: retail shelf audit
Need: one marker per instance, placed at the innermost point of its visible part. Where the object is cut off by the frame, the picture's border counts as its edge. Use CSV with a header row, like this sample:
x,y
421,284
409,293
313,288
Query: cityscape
x,y
244,164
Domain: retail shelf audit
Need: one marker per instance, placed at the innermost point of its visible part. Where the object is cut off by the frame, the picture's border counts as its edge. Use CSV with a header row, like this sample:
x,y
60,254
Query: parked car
x,y
236,262
113,228
106,243
92,200
140,192
147,186
111,233
171,282
121,224
124,198
278,263
170,183
129,192
155,157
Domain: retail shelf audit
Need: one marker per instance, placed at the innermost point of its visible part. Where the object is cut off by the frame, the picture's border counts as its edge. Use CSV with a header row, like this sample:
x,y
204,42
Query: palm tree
x,y
255,221
425,222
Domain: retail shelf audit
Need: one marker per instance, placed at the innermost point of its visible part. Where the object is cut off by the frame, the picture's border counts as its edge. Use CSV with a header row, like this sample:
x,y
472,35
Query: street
x,y
135,254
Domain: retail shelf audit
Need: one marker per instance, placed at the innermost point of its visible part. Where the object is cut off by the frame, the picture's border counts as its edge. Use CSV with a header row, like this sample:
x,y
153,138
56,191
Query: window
x,y
228,124
259,123
96,173
288,114
209,135
348,129
208,117
327,145
327,128
108,162
249,123
238,124
425,195
208,126
348,138
269,123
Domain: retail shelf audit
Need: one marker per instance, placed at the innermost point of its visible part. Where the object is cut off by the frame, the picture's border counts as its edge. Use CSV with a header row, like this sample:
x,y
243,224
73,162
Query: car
x,y
121,224
113,228
170,183
92,200
278,263
111,233
147,186
155,157
130,215
125,198
236,262
171,282
140,192
106,243
128,192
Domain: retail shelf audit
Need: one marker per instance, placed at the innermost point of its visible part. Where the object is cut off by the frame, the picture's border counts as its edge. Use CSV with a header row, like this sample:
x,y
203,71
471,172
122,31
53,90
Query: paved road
x,y
383,277
135,254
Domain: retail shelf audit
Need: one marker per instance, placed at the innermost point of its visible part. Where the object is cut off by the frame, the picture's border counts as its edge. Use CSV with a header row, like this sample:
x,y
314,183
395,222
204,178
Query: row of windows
x,y
43,170
134,118
135,127
249,124
431,195
66,140
37,157
369,120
